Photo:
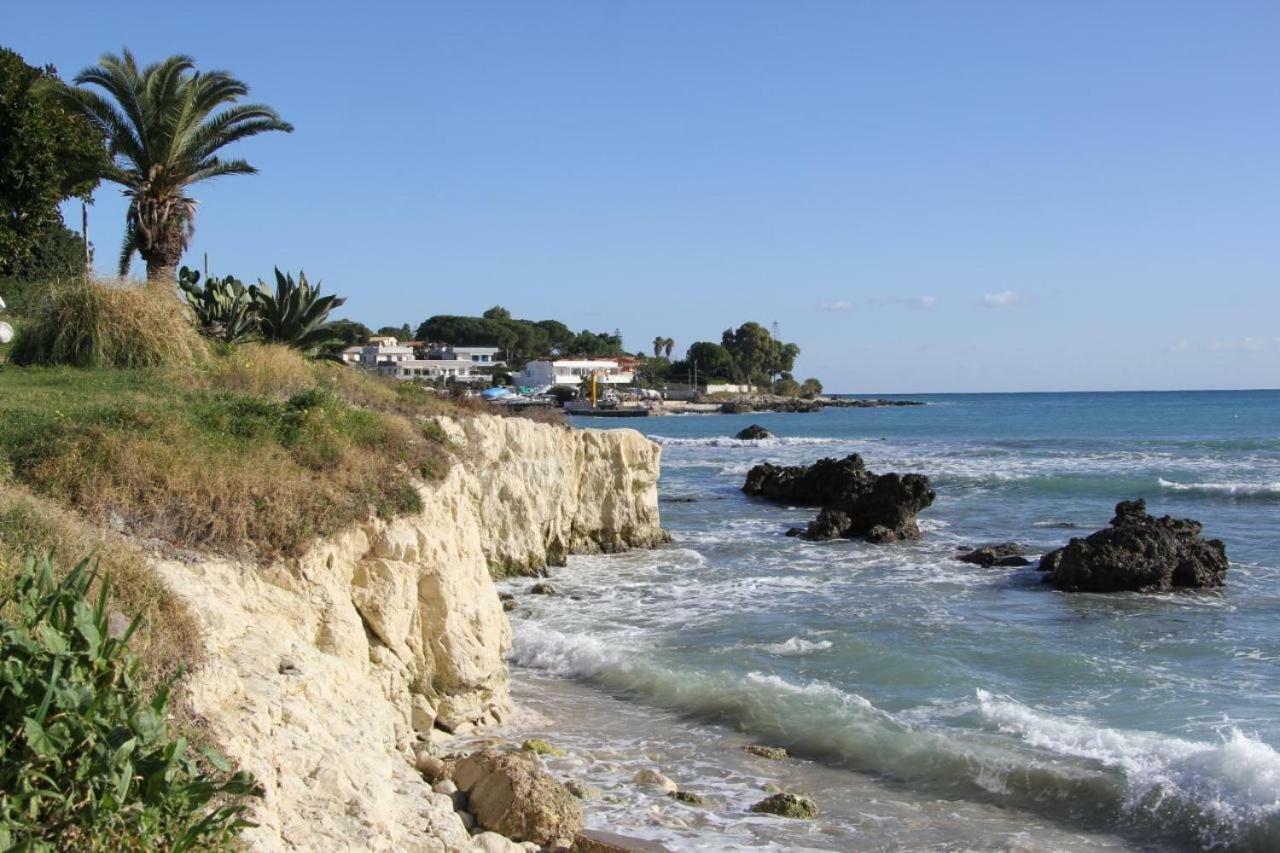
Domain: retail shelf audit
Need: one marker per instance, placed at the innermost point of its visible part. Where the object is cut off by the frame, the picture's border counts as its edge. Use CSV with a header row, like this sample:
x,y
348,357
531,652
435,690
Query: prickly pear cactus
x,y
6,331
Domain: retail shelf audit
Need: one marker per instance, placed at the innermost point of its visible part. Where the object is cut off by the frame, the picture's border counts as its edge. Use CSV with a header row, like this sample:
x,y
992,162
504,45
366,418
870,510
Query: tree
x,y
400,333
810,388
48,154
164,127
786,386
350,331
497,312
658,343
711,360
668,345
757,354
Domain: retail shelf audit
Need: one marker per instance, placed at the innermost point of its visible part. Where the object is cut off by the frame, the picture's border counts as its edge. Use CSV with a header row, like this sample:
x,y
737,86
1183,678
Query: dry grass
x,y
167,636
250,474
104,325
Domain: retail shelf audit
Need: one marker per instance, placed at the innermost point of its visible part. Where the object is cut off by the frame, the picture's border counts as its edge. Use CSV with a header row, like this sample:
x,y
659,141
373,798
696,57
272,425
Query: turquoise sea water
x,y
1065,720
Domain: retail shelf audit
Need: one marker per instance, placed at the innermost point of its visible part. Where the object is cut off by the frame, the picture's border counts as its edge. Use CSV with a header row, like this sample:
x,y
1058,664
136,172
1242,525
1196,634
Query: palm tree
x,y
668,345
658,343
164,132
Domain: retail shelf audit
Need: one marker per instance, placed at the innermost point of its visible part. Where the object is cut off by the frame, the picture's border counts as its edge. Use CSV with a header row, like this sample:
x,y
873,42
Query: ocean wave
x,y
729,441
1224,790
1225,793
1262,491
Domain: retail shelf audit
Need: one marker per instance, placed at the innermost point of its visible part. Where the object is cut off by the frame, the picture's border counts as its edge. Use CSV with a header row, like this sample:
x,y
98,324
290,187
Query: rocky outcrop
x,y
541,493
1004,554
1138,552
511,795
328,675
794,806
755,432
855,502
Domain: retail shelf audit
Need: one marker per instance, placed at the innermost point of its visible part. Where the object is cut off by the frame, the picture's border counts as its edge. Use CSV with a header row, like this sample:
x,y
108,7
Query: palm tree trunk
x,y
162,264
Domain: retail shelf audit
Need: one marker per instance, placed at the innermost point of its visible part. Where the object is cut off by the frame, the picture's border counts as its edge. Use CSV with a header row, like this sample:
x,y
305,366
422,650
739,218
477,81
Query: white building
x,y
431,369
377,351
573,372
479,356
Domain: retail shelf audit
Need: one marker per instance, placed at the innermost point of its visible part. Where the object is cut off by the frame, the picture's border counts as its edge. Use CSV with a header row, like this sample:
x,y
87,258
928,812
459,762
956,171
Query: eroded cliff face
x,y
326,673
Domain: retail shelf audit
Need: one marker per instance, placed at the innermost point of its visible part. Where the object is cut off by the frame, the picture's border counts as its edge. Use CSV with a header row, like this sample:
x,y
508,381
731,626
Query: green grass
x,y
258,471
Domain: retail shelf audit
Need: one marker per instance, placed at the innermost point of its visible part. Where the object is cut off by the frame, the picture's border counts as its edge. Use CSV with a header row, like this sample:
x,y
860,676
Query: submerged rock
x,y
1138,552
856,503
688,798
654,779
773,753
542,588
582,790
755,432
509,794
1003,554
540,747
787,805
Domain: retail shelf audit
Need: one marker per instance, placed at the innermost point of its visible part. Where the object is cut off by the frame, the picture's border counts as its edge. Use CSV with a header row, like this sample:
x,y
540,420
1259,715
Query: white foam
x,y
729,441
565,655
795,646
1233,489
1235,782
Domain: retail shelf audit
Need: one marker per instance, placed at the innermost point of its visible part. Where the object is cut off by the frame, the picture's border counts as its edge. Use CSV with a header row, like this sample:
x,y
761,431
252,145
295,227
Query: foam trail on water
x,y
1266,491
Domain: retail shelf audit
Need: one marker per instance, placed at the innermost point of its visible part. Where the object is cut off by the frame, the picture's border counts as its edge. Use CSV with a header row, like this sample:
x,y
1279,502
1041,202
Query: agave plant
x,y
297,315
224,307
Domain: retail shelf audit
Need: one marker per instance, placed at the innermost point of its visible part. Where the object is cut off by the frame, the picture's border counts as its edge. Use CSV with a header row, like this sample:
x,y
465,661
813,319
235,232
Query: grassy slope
x,y
253,453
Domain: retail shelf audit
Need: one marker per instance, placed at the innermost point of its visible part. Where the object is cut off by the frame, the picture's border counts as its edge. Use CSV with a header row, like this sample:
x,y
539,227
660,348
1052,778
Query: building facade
x,y
573,372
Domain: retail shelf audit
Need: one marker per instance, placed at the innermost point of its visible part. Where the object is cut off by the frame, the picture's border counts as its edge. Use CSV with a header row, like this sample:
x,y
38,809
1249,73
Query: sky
x,y
924,196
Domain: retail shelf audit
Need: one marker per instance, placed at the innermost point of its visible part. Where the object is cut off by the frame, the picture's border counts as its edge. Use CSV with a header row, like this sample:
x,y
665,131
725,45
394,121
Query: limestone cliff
x,y
326,672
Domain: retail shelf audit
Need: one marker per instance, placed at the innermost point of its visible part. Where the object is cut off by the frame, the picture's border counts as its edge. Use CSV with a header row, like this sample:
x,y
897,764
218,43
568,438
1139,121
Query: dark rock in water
x,y
1004,554
542,588
754,433
796,531
688,798
1138,552
679,499
855,502
773,753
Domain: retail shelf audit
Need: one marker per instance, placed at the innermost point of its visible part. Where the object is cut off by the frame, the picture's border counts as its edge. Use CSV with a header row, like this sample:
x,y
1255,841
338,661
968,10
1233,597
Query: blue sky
x,y
925,196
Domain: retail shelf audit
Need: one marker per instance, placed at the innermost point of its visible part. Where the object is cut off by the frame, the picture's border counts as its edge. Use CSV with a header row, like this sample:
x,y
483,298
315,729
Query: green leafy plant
x,y
225,309
297,315
86,760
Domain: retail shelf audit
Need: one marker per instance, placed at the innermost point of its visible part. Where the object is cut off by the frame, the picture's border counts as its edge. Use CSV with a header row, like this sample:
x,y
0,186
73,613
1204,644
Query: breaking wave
x,y
1257,491
1210,794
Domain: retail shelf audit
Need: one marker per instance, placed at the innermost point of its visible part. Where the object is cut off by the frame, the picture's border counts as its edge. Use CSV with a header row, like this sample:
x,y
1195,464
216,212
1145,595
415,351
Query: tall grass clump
x,y
91,324
86,758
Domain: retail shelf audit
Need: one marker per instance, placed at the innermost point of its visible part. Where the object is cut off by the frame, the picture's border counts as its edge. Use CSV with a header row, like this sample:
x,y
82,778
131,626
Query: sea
x,y
929,704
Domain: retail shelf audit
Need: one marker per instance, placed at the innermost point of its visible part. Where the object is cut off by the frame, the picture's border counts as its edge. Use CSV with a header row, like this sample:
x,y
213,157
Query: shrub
x,y
98,325
86,760
167,637
224,308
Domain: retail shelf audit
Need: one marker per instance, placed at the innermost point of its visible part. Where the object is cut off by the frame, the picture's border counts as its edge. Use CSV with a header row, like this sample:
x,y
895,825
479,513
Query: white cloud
x,y
924,301
1003,299
836,305
1249,343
